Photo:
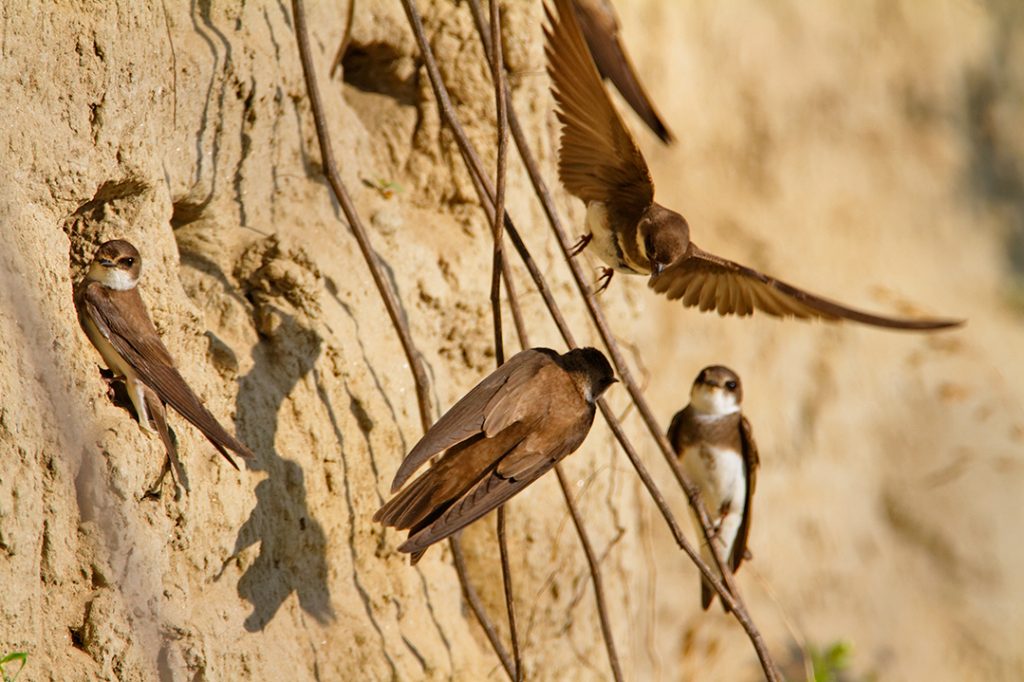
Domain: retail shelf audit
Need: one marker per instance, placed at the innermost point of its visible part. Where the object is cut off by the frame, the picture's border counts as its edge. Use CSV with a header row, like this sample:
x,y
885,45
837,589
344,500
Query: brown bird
x,y
600,27
716,446
500,437
114,317
600,163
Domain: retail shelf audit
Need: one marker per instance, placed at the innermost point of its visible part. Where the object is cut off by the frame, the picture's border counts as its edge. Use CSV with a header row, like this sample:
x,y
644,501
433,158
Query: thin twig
x,y
597,315
390,303
721,586
473,599
595,573
346,39
506,579
726,585
496,59
355,223
497,267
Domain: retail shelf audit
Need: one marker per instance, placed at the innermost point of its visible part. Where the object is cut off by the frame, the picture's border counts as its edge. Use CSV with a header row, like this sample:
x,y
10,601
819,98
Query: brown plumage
x,y
157,412
600,162
116,321
600,27
516,424
716,445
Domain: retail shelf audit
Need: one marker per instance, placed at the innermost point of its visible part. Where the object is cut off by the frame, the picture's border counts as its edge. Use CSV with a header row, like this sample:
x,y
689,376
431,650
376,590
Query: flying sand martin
x,y
600,163
716,446
600,27
114,317
500,437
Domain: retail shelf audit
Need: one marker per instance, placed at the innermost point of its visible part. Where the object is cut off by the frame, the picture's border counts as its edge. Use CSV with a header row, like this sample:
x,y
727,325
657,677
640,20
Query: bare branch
x,y
497,268
390,301
595,573
477,606
721,586
355,223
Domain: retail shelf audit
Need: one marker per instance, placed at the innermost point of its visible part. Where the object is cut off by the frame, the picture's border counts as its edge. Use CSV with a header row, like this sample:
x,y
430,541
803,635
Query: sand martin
x,y
600,163
716,446
600,27
116,321
499,438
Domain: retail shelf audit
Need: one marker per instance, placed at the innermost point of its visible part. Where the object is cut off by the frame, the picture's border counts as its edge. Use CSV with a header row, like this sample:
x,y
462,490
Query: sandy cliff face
x,y
874,153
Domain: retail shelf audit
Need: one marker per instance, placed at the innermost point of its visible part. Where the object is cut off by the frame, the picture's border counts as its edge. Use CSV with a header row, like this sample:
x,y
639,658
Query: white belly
x,y
110,356
720,476
603,243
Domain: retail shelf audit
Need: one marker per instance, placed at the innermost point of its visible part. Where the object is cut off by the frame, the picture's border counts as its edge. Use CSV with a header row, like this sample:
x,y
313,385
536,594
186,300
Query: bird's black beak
x,y
657,269
106,262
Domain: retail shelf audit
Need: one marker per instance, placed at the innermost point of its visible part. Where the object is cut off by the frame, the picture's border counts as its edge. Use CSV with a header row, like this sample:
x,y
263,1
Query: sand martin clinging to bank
x,y
500,437
716,446
600,163
600,27
116,321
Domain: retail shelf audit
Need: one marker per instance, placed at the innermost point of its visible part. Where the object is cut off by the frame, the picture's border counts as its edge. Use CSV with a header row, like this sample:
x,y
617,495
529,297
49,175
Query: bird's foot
x,y
112,381
155,491
604,280
580,244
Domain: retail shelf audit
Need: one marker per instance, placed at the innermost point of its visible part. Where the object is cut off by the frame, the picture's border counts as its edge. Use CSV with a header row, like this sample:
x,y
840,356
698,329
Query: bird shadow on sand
x,y
292,543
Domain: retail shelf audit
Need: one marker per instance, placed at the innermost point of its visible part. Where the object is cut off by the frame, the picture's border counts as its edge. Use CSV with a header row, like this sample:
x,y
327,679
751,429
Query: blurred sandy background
x,y
872,152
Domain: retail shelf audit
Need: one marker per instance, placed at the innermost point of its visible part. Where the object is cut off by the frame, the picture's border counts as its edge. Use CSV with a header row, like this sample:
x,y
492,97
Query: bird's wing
x,y
598,159
551,425
448,479
491,491
136,340
706,281
600,28
466,418
751,462
677,433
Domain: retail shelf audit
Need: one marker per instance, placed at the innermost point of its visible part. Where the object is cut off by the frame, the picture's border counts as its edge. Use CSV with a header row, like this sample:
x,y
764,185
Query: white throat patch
x,y
112,278
713,401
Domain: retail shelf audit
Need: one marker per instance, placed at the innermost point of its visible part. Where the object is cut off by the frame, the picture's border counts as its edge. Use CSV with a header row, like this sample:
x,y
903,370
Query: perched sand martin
x,y
600,27
716,447
113,315
599,162
500,437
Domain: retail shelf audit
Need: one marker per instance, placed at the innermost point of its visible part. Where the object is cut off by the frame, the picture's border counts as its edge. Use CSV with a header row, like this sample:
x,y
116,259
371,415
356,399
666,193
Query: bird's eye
x,y
731,385
128,261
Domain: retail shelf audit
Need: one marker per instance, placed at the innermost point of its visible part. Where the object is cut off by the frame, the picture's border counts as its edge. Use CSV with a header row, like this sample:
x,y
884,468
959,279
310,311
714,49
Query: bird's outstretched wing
x,y
598,160
708,282
600,28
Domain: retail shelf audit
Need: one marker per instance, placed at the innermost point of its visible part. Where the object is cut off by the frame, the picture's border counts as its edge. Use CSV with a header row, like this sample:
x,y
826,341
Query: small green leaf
x,y
19,656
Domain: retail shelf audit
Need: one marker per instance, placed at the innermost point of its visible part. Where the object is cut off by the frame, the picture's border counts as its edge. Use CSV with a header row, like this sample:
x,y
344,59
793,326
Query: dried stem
x,y
497,267
389,298
477,606
721,586
496,59
346,39
595,573
355,223
506,579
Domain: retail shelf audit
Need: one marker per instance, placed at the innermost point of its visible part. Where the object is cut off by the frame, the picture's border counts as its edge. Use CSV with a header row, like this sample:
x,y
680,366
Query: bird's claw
x,y
580,244
604,280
